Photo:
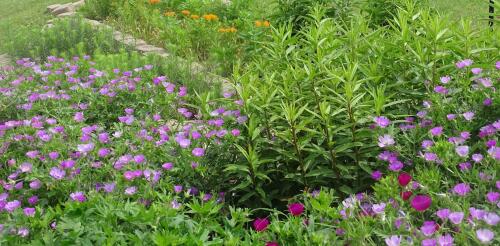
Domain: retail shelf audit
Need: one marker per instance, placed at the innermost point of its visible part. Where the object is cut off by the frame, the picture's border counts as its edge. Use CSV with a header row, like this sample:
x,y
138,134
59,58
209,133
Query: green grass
x,y
477,9
15,13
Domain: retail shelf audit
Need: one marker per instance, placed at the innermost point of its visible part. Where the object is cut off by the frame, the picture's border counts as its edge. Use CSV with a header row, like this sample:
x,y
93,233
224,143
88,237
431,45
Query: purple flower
x,y
130,190
461,189
85,148
167,166
429,156
57,173
385,140
441,90
491,218
436,131
178,188
175,204
428,228
109,187
35,184
456,217
103,137
477,158
429,242
493,196
378,208
396,166
376,175
393,240
487,102
443,213
476,70
23,232
198,152
78,117
485,235
445,79
33,200
451,116
464,166
26,167
139,159
103,152
462,151
12,205
464,63
382,121
426,144
30,212
446,240
468,115
78,196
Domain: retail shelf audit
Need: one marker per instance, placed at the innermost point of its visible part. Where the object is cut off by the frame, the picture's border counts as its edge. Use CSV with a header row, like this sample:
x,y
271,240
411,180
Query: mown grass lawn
x,y
14,13
477,9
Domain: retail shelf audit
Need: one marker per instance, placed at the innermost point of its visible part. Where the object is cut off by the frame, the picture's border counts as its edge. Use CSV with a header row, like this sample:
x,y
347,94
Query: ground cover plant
x,y
344,128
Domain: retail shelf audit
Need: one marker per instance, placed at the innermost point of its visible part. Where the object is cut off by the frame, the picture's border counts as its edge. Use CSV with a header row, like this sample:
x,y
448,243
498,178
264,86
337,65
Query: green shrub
x,y
101,9
67,36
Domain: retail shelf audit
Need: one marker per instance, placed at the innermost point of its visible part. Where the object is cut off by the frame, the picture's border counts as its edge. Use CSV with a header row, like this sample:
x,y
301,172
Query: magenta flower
x,y
78,196
235,132
260,224
462,151
421,202
456,217
404,179
393,240
296,209
385,140
461,189
139,159
57,173
382,121
485,235
487,102
198,152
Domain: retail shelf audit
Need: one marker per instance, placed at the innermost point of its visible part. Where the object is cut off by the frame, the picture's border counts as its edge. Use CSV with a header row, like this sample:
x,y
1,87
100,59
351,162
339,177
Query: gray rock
x,y
66,14
52,7
78,4
64,8
146,48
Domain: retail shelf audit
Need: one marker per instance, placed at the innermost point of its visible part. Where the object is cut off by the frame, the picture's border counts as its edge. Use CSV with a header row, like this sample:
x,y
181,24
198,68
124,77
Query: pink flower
x,y
385,141
130,190
393,240
272,244
260,224
443,213
446,240
468,115
476,70
445,79
421,202
428,228
296,209
78,117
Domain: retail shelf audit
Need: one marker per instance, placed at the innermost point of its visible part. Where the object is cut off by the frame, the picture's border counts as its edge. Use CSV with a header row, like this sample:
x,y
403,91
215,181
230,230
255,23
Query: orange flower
x,y
169,13
222,29
266,23
258,23
154,1
232,29
195,17
185,12
210,17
